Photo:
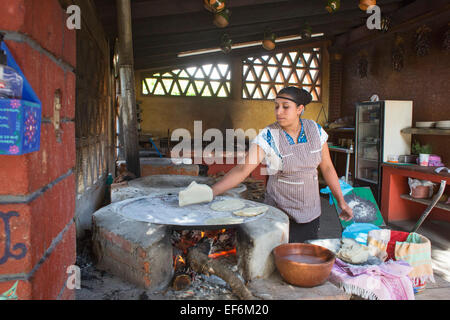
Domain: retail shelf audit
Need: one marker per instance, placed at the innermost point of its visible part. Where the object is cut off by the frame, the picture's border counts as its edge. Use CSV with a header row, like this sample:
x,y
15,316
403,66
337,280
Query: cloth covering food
x,y
387,281
412,248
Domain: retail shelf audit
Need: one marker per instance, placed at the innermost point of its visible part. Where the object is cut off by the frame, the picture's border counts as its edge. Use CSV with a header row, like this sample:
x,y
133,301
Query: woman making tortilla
x,y
292,150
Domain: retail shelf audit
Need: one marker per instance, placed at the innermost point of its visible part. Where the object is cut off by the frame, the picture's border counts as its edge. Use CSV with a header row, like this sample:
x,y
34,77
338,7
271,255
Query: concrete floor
x,y
330,227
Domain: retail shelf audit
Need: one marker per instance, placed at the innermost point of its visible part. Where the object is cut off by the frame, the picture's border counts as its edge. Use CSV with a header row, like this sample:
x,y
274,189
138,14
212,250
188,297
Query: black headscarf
x,y
297,95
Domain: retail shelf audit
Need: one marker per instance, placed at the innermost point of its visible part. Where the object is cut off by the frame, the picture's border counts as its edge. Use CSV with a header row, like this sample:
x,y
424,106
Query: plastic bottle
x,y
11,83
109,179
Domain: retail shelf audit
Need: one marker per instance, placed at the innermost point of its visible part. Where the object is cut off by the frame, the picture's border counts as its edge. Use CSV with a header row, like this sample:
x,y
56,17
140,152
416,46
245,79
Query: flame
x,y
178,259
222,253
203,234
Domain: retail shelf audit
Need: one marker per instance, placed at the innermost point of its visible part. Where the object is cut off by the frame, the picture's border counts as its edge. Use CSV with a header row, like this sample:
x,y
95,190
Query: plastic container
x,y
407,158
393,158
435,161
20,119
11,83
423,159
359,231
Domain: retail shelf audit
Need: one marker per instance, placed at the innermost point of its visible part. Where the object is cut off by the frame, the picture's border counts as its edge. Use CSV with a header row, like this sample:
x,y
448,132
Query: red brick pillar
x,y
37,190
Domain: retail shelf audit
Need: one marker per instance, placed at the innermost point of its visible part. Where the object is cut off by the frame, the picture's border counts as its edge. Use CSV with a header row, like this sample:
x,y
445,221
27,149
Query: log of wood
x,y
181,281
199,262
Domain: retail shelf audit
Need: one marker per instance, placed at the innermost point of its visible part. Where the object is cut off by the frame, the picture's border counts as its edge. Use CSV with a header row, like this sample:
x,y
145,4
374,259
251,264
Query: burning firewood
x,y
199,261
181,281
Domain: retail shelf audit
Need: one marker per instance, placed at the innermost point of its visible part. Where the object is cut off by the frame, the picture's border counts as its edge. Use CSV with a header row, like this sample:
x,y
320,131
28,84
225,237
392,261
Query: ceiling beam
x,y
201,42
220,57
176,43
263,13
157,8
357,17
402,19
151,59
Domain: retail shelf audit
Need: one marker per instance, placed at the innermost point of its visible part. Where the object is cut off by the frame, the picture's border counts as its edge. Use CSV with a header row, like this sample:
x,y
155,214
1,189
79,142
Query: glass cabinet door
x,y
368,142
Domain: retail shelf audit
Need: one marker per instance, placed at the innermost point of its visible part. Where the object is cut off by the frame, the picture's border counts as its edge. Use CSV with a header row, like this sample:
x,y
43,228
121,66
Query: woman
x,y
292,148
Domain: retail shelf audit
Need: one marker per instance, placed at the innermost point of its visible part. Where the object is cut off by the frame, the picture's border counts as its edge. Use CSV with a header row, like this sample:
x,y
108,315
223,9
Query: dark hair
x,y
297,95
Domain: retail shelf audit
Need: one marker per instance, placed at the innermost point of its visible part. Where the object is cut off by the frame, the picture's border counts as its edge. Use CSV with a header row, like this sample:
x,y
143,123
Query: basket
x,y
410,247
420,192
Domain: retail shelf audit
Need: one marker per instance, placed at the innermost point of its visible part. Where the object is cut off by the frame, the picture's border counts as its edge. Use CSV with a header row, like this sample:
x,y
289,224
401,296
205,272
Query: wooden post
x,y
127,84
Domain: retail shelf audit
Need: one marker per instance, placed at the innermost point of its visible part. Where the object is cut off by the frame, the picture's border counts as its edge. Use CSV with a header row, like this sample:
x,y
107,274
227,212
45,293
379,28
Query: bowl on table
x,y
302,264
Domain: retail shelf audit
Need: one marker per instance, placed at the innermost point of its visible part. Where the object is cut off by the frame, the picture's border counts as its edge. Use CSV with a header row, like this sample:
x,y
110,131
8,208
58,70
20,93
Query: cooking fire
x,y
215,244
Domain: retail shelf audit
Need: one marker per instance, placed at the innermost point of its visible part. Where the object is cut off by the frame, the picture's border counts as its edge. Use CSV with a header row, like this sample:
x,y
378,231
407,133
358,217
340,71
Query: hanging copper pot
x,y
214,5
333,5
306,31
222,18
226,44
269,40
364,4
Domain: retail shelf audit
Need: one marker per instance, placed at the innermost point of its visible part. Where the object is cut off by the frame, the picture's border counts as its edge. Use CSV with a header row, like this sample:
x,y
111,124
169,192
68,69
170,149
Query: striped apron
x,y
295,188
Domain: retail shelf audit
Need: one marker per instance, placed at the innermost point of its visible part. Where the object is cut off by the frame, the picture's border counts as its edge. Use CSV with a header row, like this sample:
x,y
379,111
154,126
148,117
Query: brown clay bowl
x,y
304,265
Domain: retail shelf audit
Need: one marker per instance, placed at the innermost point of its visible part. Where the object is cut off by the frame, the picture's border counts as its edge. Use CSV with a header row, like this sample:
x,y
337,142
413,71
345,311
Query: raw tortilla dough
x,y
195,193
228,205
353,252
224,220
251,212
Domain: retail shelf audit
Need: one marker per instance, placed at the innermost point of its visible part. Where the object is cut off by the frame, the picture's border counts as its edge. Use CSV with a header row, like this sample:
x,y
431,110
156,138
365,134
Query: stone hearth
x,y
142,253
164,183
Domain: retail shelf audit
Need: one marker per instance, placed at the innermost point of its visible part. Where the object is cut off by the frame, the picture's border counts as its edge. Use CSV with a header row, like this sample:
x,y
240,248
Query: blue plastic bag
x,y
359,231
345,187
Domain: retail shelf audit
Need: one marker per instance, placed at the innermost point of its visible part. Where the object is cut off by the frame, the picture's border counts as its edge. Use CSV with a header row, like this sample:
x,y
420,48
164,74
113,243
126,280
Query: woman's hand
x,y
347,212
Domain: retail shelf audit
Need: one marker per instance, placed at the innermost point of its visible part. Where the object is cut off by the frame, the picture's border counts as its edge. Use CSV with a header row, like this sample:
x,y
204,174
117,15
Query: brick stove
x,y
143,253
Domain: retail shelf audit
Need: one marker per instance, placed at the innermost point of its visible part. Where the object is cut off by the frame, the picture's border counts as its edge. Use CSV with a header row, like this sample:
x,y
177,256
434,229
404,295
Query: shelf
x,y
350,130
426,202
372,123
432,131
419,169
340,149
368,159
367,180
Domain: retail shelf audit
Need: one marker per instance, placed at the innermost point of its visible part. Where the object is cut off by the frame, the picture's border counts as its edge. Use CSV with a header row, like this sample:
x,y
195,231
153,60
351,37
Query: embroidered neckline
x,y
301,137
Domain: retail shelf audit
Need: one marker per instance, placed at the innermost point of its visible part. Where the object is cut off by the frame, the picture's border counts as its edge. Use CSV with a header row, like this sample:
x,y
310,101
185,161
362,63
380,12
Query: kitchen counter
x,y
396,204
417,168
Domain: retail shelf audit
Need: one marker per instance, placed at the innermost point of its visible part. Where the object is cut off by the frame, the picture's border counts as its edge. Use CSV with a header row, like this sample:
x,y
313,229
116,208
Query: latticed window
x,y
208,80
264,76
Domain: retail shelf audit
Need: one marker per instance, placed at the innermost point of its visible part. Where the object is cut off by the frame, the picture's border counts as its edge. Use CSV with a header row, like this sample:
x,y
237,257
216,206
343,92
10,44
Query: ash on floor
x,y
100,285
